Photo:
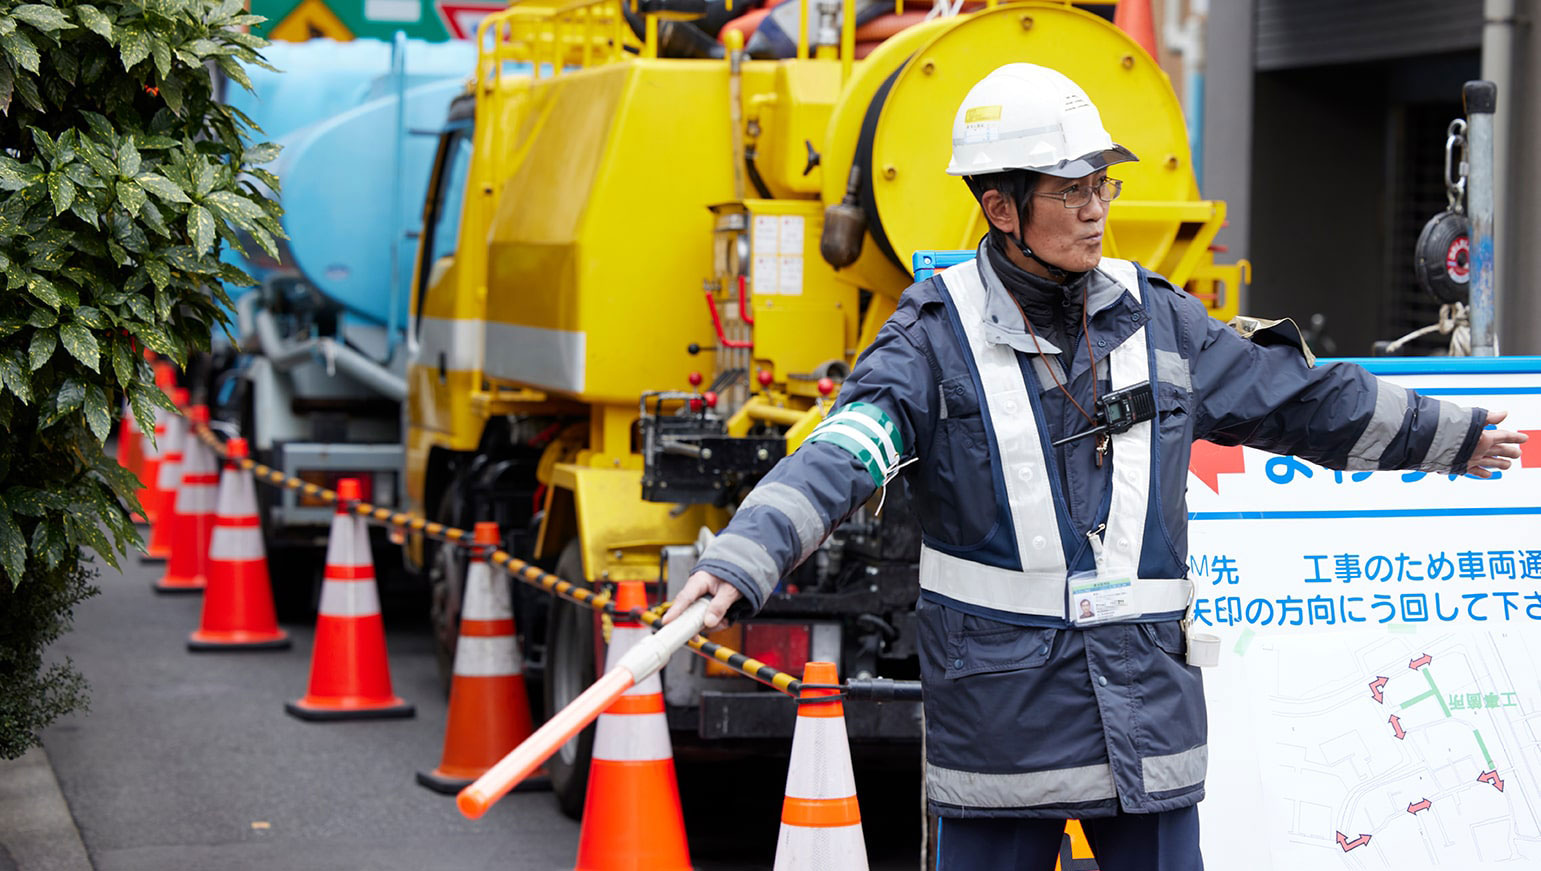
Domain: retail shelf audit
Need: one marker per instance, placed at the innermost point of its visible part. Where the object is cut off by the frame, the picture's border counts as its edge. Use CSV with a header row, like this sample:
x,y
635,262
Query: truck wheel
x,y
446,587
569,671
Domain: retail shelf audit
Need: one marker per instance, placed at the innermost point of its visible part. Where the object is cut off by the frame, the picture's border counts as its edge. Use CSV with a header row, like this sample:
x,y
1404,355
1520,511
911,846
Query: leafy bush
x,y
121,179
32,616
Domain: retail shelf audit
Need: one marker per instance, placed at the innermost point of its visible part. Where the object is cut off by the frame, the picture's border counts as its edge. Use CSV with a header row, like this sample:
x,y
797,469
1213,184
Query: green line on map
x,y
1416,699
1435,690
1483,744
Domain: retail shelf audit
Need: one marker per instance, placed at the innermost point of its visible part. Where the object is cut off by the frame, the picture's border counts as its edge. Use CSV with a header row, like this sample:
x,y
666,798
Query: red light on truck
x,y
782,646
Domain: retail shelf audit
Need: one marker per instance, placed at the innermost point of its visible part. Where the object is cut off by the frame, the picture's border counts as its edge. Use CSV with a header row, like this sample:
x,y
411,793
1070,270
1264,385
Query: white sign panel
x,y
1378,699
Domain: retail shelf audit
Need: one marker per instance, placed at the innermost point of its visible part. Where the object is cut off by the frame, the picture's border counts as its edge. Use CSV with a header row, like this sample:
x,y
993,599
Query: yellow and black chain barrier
x,y
533,575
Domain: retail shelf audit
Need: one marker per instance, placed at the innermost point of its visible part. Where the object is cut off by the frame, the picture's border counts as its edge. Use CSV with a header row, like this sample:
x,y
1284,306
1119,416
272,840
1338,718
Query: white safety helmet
x,y
1024,116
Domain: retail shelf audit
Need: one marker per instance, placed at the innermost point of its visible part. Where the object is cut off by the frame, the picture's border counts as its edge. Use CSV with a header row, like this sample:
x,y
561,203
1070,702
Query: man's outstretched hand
x,y
1495,450
723,596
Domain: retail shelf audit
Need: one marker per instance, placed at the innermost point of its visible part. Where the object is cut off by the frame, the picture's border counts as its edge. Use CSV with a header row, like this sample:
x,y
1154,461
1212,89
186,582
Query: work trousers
x,y
1166,841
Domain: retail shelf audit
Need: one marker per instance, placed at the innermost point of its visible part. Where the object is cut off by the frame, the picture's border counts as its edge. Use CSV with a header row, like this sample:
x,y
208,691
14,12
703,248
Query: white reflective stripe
x,y
169,475
487,656
632,738
1040,594
349,599
236,544
862,437
1028,494
196,499
229,502
1128,365
875,433
458,339
1037,593
540,357
807,848
820,766
1449,435
198,459
1173,369
1175,771
348,543
487,598
1023,789
1385,423
796,508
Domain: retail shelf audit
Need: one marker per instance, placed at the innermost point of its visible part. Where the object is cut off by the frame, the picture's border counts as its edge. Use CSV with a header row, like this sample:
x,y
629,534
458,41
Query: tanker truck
x,y
315,378
642,278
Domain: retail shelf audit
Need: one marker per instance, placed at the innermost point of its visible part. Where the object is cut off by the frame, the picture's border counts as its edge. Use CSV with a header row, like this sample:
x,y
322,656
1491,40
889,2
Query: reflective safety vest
x,y
1032,577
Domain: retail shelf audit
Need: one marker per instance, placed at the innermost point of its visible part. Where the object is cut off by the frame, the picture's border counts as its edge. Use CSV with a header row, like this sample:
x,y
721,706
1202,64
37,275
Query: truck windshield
x,y
451,193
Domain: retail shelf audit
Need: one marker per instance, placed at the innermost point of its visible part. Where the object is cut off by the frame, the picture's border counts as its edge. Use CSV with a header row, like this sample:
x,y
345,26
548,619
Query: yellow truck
x,y
641,279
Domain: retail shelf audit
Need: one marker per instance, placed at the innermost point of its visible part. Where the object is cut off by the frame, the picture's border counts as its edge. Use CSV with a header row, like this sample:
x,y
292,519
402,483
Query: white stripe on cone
x,y
348,543
486,598
349,598
631,737
816,743
236,544
804,848
487,656
196,499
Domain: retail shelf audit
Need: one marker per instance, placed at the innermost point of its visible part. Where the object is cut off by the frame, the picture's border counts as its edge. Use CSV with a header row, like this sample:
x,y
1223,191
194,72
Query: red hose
x,y
722,338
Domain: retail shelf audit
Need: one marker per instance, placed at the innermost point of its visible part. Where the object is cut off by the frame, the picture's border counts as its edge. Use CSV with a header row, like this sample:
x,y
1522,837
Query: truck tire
x,y
446,577
569,671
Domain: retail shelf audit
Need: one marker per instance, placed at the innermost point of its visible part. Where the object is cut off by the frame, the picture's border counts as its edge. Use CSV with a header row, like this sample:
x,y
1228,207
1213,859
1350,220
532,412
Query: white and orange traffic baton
x,y
640,662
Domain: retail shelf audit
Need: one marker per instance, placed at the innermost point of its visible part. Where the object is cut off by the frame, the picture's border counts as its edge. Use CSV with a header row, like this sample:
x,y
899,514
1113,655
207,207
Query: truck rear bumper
x,y
772,715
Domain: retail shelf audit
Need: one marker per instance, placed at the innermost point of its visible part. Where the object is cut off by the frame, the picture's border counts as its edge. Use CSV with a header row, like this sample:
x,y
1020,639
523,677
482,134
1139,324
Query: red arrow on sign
x,y
1209,461
1417,806
1420,662
1396,727
461,19
1375,689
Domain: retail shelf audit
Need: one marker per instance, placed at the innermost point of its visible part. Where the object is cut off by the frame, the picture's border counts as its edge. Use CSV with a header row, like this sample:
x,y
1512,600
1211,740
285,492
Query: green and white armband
x,y
868,434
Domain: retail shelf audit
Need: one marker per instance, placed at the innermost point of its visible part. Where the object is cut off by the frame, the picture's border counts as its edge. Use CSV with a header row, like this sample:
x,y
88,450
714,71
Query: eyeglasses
x,y
1079,195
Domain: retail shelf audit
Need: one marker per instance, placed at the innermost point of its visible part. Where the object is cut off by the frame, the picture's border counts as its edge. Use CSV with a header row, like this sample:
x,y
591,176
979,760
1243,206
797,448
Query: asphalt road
x,y
188,761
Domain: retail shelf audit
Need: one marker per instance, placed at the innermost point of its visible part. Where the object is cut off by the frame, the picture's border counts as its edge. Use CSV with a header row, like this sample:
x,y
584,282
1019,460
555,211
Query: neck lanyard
x,y
1102,438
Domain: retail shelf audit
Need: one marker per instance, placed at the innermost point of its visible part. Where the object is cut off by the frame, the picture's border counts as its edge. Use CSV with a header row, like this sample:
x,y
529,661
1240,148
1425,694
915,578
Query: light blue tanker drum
x,y
353,173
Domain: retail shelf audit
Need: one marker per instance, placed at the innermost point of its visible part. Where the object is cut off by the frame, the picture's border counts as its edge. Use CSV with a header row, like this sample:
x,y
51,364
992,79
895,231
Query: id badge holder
x,y
1097,597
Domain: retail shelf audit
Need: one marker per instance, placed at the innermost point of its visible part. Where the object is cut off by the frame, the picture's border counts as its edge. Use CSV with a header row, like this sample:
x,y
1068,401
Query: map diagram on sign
x,y
1397,749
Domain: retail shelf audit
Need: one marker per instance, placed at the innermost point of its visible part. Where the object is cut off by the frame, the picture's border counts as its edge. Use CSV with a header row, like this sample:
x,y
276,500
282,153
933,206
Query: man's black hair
x,y
1016,185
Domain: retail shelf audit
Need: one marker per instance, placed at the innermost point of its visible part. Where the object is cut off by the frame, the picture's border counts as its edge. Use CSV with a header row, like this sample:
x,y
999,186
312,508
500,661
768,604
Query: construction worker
x,y
1036,713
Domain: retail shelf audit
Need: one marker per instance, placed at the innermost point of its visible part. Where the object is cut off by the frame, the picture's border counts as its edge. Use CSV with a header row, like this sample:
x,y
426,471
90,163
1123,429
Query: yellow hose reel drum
x,y
895,123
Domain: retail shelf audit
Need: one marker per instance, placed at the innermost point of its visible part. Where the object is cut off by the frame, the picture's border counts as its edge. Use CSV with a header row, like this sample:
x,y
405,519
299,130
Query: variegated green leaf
x,y
95,21
13,547
16,377
41,348
44,18
162,187
131,196
44,290
61,190
160,273
200,228
98,412
133,45
122,363
128,158
20,48
81,345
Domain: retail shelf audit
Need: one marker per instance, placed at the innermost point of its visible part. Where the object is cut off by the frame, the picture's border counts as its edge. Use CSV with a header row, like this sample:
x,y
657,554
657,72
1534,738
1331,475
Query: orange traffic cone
x,y
1134,18
168,476
350,675
192,513
820,820
631,816
489,713
131,448
149,492
238,602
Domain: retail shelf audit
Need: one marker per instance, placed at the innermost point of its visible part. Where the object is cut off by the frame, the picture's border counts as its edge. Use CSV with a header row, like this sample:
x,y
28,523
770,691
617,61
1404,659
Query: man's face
x,y
1068,238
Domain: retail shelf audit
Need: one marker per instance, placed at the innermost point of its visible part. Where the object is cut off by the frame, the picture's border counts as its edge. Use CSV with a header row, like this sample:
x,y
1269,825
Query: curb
x,y
37,831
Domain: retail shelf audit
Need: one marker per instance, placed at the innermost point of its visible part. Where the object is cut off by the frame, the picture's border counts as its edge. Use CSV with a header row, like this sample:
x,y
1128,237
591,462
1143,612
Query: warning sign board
x,y
462,19
1381,635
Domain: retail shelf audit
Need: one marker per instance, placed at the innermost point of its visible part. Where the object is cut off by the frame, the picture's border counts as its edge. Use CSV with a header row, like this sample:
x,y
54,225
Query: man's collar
x,y
1002,319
